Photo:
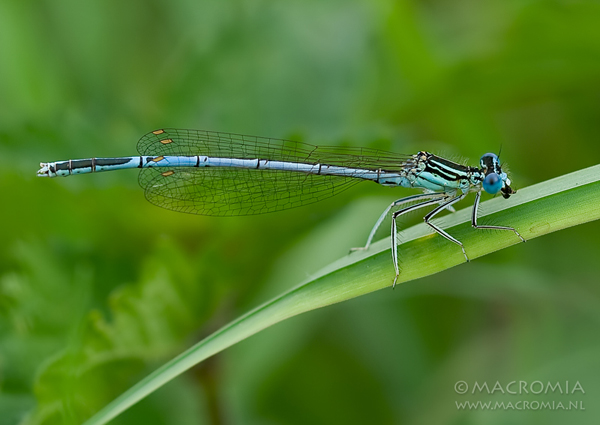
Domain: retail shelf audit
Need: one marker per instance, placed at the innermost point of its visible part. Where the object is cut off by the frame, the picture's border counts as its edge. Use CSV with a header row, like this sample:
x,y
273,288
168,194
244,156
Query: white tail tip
x,y
44,171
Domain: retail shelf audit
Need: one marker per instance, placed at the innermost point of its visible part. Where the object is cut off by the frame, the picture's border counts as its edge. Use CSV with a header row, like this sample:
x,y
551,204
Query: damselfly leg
x,y
385,212
479,226
433,213
439,197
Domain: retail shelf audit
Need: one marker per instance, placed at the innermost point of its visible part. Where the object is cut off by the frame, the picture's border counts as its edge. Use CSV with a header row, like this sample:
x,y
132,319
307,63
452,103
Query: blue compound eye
x,y
489,160
493,156
492,183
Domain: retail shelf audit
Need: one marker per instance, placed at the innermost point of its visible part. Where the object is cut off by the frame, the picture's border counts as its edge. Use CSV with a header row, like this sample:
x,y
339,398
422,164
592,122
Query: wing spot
x,y
157,132
168,173
166,141
158,158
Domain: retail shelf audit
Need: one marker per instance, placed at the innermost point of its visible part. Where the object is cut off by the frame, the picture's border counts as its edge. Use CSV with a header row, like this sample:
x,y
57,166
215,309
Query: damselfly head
x,y
495,179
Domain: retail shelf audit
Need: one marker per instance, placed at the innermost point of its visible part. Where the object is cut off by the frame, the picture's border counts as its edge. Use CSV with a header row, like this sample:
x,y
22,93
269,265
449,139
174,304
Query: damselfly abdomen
x,y
223,174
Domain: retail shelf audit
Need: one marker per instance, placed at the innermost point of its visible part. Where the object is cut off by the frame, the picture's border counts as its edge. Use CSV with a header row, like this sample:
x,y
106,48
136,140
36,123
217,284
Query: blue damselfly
x,y
223,174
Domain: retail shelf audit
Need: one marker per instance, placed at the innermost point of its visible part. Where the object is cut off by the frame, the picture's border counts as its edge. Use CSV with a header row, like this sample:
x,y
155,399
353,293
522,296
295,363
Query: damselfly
x,y
223,174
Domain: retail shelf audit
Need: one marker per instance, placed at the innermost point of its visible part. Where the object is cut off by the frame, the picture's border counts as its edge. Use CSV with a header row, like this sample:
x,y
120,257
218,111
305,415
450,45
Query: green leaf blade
x,y
535,211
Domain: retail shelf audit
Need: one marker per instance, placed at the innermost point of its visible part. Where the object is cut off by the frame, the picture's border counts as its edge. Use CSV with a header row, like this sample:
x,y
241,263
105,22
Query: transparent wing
x,y
231,192
235,191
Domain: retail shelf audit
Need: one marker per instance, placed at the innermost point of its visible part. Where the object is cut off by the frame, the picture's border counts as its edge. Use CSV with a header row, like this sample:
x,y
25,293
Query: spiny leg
x,y
439,197
432,214
387,210
477,226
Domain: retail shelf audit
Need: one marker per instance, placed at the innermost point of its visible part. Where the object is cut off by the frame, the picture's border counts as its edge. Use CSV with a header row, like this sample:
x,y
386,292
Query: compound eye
x,y
492,156
492,183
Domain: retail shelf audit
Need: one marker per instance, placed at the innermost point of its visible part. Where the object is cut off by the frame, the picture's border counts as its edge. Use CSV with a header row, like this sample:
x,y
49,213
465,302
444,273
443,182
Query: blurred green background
x,y
98,287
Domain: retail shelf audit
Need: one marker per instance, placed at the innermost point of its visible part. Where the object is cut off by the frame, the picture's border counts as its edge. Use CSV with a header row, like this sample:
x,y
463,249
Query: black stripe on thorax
x,y
442,172
447,169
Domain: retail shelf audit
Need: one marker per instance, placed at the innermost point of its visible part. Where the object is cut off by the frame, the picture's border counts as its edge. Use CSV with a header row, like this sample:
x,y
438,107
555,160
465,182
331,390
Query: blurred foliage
x,y
98,287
